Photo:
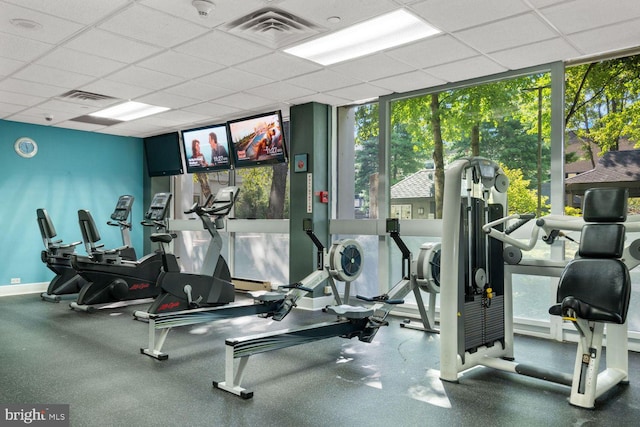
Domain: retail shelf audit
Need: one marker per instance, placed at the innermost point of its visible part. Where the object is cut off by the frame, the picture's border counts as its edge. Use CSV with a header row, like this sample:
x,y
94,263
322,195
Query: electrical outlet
x,y
15,280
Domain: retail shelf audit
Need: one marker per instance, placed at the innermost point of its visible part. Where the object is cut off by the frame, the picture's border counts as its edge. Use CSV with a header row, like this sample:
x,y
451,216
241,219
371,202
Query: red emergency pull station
x,y
323,196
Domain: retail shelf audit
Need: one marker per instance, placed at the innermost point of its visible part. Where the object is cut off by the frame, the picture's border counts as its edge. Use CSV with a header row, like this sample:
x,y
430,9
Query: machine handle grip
x,y
380,298
525,218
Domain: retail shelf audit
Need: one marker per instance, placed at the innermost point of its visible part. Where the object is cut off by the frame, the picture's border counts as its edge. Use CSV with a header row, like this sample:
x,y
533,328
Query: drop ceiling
x,y
213,69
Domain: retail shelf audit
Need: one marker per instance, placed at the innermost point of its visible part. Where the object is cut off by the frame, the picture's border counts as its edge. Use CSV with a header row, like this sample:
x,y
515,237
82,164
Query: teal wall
x,y
72,170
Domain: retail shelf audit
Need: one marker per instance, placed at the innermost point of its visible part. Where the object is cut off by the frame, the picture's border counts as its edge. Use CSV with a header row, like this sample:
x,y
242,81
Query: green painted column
x,y
310,135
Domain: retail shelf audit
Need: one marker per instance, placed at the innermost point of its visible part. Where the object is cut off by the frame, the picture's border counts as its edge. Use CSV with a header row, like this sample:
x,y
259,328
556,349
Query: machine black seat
x,y
596,286
595,290
161,237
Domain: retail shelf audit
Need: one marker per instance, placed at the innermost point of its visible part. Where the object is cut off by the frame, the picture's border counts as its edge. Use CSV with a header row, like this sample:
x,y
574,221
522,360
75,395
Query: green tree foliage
x,y
406,156
253,201
508,142
601,103
520,197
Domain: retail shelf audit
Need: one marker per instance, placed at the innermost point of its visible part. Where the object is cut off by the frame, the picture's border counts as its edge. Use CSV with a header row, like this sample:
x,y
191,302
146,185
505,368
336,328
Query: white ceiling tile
x,y
465,69
28,117
280,91
511,32
350,12
165,99
544,3
162,52
223,48
82,11
52,30
22,49
323,80
179,64
128,128
212,110
8,109
322,98
241,100
52,76
144,77
359,92
224,10
200,91
152,26
433,51
40,113
279,66
60,106
407,82
80,62
180,117
115,89
8,66
454,15
89,127
30,88
606,39
111,46
371,67
586,14
535,54
18,98
231,78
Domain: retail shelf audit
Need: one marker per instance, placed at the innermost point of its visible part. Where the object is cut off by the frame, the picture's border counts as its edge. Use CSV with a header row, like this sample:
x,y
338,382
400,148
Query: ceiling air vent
x,y
272,27
85,96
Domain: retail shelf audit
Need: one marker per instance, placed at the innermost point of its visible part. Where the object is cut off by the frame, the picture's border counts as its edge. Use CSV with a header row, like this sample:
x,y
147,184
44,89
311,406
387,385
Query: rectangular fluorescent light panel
x,y
127,111
383,32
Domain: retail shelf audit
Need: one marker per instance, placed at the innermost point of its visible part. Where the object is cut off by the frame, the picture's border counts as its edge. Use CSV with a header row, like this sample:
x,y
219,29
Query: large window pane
x,y
601,132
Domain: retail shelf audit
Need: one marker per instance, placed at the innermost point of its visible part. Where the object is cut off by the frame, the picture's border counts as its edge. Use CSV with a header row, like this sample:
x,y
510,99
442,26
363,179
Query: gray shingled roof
x,y
613,166
418,185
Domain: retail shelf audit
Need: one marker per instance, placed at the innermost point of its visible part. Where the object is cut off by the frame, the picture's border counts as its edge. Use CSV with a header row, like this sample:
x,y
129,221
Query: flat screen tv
x,y
258,140
206,149
162,153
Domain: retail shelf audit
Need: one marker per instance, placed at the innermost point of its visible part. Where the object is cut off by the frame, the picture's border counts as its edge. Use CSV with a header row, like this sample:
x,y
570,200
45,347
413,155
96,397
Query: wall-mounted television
x,y
206,149
258,140
162,153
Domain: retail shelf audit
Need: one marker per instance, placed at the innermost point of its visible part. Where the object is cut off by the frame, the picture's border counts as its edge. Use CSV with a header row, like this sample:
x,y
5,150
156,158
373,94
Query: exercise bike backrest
x,y
91,235
47,230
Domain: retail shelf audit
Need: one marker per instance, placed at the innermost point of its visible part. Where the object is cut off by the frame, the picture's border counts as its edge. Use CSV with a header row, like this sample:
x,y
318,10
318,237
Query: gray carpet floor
x,y
50,354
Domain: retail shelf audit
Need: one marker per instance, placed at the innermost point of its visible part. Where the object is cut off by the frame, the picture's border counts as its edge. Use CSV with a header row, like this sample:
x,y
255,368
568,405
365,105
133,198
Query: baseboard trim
x,y
26,288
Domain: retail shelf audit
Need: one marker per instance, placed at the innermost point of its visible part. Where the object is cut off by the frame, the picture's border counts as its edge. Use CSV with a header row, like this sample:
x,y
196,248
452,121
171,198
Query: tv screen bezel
x,y
278,158
178,155
205,147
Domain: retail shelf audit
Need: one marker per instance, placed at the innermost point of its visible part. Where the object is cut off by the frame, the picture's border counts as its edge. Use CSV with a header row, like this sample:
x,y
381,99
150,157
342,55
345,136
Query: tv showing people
x,y
258,140
206,149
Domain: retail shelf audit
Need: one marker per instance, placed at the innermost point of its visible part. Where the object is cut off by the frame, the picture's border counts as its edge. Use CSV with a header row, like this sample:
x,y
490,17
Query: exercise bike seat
x,y
161,237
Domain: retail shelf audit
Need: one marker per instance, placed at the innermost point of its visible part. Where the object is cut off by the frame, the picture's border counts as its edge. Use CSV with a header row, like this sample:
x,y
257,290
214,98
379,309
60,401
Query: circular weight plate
x,y
428,267
502,183
345,260
512,255
634,249
480,278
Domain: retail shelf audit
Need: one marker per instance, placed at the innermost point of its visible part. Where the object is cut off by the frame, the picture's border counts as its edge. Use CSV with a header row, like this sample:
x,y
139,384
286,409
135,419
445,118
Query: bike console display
x,y
123,208
159,207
